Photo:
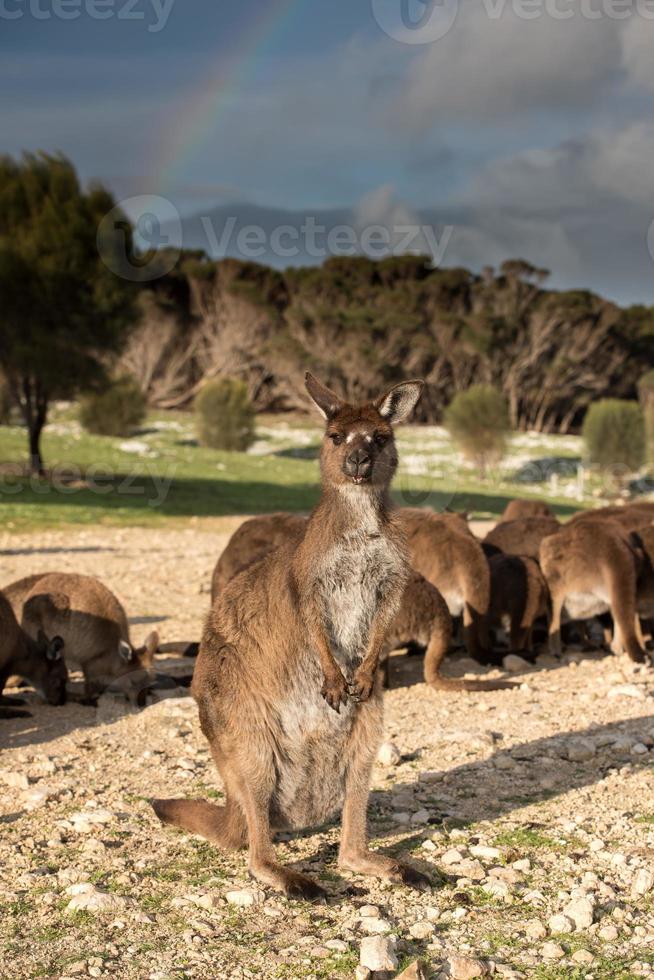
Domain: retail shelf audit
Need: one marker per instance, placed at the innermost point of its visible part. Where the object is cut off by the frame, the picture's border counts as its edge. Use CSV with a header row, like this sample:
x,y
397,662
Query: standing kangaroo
x,y
286,680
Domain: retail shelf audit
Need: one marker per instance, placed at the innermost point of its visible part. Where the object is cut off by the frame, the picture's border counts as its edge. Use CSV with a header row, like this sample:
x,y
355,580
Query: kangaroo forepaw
x,y
334,691
361,687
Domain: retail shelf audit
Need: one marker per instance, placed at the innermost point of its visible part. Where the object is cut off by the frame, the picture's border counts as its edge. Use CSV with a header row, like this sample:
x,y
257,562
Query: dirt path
x,y
534,810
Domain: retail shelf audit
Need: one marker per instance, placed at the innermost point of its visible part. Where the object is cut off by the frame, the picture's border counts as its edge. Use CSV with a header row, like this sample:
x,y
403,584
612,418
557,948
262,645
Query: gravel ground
x,y
533,809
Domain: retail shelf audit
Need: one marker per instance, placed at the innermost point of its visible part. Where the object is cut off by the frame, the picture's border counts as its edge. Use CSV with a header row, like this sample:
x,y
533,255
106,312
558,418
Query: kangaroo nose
x,y
358,463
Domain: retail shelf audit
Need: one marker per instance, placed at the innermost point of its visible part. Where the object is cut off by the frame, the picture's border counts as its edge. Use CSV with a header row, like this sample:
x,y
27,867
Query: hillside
x,y
360,324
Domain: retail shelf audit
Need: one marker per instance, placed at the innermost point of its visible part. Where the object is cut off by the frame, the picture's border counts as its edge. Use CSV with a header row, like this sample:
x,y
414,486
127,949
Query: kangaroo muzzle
x,y
358,465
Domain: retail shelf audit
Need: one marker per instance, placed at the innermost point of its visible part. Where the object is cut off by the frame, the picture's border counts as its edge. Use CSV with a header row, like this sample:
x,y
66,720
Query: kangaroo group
x,y
306,612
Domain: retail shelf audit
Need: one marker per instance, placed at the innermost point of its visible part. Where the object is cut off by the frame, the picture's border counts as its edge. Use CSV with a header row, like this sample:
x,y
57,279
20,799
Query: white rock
x,y
453,856
497,888
378,953
389,754
643,882
535,929
420,817
17,780
87,898
639,749
524,864
375,927
338,945
626,691
422,930
485,851
428,845
552,951
244,897
414,972
88,819
581,912
470,869
369,910
582,956
37,796
560,923
362,973
608,933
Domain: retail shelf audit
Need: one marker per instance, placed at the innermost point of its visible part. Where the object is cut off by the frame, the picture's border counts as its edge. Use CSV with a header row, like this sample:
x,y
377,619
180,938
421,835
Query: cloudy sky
x,y
526,126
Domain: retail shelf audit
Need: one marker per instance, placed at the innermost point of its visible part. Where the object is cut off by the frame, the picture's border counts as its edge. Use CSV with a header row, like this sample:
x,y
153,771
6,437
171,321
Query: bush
x,y
225,415
614,434
478,421
116,411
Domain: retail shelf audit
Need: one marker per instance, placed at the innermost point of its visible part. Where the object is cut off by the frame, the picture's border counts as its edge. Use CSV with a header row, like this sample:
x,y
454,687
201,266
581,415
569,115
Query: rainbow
x,y
201,110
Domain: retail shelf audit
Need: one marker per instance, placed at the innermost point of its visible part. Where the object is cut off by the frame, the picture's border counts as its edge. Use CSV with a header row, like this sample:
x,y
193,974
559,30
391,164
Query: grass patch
x,y
532,838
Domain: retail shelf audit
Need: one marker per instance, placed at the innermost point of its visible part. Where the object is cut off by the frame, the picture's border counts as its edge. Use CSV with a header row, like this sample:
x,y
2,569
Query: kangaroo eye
x,y
381,438
336,438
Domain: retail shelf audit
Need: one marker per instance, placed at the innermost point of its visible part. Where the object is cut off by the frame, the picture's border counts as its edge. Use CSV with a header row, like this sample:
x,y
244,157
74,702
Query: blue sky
x,y
529,131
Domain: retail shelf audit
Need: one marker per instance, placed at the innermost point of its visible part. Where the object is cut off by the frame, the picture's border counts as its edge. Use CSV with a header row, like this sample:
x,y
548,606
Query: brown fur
x,y
252,541
643,541
631,517
444,550
590,568
37,660
516,509
314,611
93,625
519,592
520,537
423,617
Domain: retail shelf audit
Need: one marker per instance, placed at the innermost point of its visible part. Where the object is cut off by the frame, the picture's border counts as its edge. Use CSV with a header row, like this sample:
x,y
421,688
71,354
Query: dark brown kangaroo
x,y
293,639
251,541
38,661
444,550
522,536
516,509
518,592
591,567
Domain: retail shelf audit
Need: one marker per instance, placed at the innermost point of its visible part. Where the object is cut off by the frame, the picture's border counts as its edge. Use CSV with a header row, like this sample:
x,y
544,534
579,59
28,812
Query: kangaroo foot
x,y
291,883
390,869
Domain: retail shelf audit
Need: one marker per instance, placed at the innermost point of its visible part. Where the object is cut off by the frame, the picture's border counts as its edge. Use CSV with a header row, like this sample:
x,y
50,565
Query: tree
x,y
614,434
478,420
63,312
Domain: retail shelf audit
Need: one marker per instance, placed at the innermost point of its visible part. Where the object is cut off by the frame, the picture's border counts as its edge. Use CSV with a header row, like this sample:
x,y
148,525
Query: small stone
x,y
639,749
369,910
486,852
87,898
422,930
428,845
513,663
453,856
17,780
466,968
582,956
504,762
608,933
524,864
337,945
362,973
643,882
37,796
626,691
471,869
389,754
581,749
597,845
497,888
245,897
552,951
378,953
420,817
560,924
581,912
535,929
375,927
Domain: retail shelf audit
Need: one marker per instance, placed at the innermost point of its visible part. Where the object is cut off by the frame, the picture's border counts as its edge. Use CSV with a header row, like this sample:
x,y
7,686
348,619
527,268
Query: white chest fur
x,y
585,605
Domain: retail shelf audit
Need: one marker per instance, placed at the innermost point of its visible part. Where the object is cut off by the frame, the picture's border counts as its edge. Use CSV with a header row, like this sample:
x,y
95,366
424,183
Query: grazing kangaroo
x,y
518,592
444,550
38,661
286,680
516,509
631,517
423,618
591,568
522,536
93,625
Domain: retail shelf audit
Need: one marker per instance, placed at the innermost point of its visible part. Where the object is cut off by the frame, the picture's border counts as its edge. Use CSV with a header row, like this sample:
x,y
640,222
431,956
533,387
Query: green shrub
x,y
478,421
614,433
116,411
225,415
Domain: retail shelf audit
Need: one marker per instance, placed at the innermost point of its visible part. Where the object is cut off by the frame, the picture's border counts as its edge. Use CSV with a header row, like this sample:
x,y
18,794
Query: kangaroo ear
x,y
54,648
152,643
125,651
327,403
398,403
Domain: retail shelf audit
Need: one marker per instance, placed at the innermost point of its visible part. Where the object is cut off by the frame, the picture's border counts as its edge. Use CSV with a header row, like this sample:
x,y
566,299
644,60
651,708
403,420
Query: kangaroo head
x,y
359,446
138,657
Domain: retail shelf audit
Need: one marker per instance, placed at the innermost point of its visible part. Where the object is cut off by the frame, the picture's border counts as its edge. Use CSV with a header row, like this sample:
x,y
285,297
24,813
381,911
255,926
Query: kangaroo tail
x,y
222,825
436,650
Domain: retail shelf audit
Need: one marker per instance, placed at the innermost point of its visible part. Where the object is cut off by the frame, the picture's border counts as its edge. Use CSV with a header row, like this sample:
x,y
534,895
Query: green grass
x,y
167,476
